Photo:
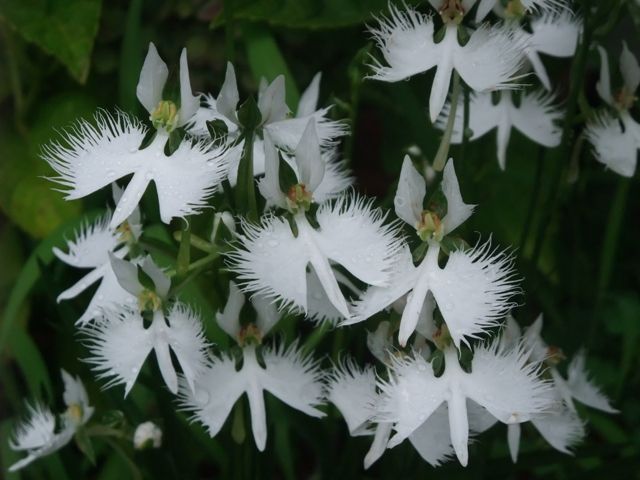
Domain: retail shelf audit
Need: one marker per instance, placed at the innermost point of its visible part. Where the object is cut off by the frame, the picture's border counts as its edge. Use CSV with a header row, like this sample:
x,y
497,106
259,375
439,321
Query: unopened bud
x,y
147,435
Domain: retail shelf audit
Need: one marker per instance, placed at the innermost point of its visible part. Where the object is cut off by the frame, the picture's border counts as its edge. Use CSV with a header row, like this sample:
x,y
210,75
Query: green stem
x,y
196,242
609,249
535,194
184,252
246,194
443,150
229,31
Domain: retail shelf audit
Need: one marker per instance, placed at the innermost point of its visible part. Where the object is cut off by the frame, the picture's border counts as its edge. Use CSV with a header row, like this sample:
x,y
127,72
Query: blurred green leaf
x,y
65,29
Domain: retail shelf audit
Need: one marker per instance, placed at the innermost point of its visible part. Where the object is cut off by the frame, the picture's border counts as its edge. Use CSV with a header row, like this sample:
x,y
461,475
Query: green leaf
x,y
85,445
65,29
266,60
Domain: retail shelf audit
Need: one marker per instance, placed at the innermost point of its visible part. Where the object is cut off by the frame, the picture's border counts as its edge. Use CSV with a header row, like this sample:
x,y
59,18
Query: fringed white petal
x,y
473,290
402,280
510,334
153,77
484,116
536,118
319,306
629,69
267,314
410,193
410,396
432,439
91,157
294,377
491,59
92,243
353,391
405,39
614,147
582,388
337,177
457,210
506,384
562,429
216,391
555,33
379,342
354,234
272,262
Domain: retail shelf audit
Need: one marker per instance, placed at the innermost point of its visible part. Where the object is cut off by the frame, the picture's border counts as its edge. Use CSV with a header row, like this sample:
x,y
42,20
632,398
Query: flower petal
x,y
410,194
229,318
582,388
457,210
513,440
614,147
228,98
309,98
405,39
309,158
432,439
603,86
379,445
629,68
555,33
536,118
153,77
189,103
562,429
271,101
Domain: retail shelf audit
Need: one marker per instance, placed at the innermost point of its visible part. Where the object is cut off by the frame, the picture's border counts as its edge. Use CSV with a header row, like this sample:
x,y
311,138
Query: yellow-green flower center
x,y
430,226
74,413
515,10
452,11
298,198
165,116
149,300
250,335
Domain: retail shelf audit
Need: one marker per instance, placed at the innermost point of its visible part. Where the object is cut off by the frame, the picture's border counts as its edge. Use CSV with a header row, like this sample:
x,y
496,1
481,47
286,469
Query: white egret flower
x,y
535,117
472,290
90,249
285,130
286,373
616,139
489,60
500,381
37,435
273,261
89,157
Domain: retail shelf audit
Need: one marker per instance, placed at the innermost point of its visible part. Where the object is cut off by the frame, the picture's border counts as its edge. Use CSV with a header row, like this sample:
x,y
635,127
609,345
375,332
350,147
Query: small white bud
x,y
147,435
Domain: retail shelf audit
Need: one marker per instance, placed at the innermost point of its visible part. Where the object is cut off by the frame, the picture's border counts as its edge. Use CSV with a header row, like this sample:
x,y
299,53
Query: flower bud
x,y
147,435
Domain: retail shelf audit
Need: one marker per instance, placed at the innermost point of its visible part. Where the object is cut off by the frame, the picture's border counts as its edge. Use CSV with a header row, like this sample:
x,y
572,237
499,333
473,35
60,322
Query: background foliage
x,y
576,240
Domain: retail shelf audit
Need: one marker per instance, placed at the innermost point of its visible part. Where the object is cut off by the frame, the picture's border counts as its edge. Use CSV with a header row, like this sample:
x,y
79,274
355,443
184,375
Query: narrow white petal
x,y
74,391
294,377
90,157
163,357
309,158
309,98
457,210
130,198
271,261
510,334
353,391
210,404
118,347
612,146
228,98
490,59
604,84
539,69
459,425
271,101
410,193
444,69
582,388
379,445
405,39
506,384
354,235
337,177
502,141
379,342
153,76
126,274
513,439
161,282
319,306
81,285
474,290
267,314
189,103
286,133
258,414
629,68
432,439
269,185
410,396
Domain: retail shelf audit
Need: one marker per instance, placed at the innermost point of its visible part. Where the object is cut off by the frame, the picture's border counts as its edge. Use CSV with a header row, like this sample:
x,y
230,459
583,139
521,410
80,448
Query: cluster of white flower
x,y
311,246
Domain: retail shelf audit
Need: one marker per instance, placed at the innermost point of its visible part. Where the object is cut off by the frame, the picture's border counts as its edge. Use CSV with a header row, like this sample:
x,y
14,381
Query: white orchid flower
x,y
37,435
121,342
616,140
519,7
286,373
535,117
90,157
285,130
472,290
90,249
273,261
555,33
500,381
489,60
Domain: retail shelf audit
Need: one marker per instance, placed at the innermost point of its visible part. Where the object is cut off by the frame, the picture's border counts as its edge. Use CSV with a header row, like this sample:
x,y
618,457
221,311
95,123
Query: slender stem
x,y
534,200
609,249
184,252
229,31
202,262
443,150
574,165
196,242
465,129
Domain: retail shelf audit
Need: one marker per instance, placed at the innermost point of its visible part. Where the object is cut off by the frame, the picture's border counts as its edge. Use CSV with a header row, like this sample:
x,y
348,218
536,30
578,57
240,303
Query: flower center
x,y
452,11
149,300
430,226
165,116
624,99
442,337
74,413
298,198
250,335
515,10
555,355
